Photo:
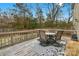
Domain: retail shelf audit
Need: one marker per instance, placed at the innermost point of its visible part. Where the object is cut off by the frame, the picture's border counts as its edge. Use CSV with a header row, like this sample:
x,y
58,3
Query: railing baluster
x,y
12,41
15,37
8,40
4,41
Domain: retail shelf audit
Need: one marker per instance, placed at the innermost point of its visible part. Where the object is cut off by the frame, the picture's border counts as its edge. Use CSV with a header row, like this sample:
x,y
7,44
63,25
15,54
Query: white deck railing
x,y
11,38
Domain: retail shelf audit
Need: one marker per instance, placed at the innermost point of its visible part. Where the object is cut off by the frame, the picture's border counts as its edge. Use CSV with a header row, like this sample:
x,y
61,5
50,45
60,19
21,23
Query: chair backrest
x,y
59,35
42,35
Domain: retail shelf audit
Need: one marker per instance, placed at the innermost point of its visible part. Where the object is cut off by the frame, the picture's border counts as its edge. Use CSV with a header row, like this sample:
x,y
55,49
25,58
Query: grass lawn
x,y
72,48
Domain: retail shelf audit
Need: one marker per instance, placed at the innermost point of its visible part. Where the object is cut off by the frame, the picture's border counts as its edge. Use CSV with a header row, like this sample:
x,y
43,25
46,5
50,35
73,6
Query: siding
x,y
76,18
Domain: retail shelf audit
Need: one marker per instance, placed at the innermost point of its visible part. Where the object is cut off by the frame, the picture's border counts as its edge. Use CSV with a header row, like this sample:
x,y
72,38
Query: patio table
x,y
49,33
50,36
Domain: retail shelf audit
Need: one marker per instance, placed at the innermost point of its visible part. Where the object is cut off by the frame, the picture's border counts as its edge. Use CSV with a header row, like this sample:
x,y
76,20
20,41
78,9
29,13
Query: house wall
x,y
76,18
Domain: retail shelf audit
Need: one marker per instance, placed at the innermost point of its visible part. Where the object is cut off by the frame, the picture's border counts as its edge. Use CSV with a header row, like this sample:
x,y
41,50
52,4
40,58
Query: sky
x,y
6,6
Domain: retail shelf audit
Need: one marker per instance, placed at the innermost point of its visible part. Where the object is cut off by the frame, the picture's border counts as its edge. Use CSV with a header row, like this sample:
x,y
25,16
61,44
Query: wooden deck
x,y
20,49
31,48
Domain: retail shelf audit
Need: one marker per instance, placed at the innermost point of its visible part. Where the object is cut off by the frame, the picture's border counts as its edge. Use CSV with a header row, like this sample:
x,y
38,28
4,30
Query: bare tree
x,y
53,11
39,14
70,12
22,12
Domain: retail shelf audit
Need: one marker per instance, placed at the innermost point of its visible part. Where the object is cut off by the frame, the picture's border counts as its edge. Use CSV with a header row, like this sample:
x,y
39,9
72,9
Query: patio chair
x,y
43,40
58,37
